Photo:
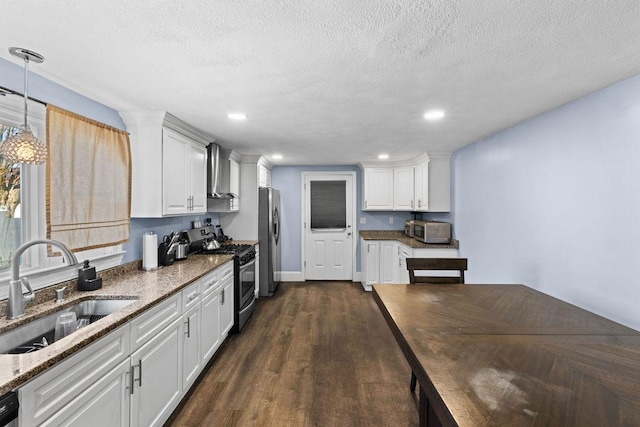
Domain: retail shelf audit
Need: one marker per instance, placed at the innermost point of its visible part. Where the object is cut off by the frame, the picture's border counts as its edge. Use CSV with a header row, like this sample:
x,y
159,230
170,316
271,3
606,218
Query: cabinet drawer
x,y
149,324
48,393
191,295
210,282
226,271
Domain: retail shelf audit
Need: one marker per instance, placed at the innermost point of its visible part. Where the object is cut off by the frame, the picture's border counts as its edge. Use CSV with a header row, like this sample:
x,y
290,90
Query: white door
x,y
328,220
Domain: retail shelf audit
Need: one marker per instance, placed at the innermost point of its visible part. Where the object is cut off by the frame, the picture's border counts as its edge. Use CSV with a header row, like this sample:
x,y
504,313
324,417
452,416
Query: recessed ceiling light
x,y
383,156
434,114
277,157
237,116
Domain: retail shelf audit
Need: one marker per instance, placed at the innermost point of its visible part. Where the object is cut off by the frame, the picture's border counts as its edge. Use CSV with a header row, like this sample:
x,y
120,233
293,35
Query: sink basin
x,y
39,333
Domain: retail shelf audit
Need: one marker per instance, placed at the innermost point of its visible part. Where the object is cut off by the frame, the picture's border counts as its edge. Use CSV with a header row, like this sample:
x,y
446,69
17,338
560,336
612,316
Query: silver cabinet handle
x,y
130,387
365,204
222,297
412,204
419,203
194,296
188,327
139,373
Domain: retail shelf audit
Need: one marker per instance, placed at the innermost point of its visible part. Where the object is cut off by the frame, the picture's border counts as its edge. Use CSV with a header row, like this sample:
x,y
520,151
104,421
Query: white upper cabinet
x,y
264,175
403,186
440,182
378,189
420,185
184,164
168,165
234,184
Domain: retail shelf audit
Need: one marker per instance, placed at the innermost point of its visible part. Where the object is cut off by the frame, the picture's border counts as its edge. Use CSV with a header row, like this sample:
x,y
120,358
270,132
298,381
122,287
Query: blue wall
x,y
554,203
12,77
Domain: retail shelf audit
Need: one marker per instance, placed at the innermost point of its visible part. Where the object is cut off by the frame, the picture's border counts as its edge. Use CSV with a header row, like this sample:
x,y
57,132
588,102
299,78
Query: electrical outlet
x,y
390,220
363,220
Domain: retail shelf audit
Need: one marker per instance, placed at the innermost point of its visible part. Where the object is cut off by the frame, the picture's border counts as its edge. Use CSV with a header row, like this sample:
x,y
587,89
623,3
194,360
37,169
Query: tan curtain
x,y
88,181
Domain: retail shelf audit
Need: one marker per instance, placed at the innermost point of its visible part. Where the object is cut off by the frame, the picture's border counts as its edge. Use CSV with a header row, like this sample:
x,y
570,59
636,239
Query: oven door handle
x,y
247,265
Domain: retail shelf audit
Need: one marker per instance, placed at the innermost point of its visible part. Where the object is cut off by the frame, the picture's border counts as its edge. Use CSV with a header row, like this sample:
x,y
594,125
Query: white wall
x,y
554,203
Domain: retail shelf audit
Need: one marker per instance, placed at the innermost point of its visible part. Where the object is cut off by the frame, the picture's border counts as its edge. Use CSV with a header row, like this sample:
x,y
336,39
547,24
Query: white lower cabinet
x,y
210,325
136,375
385,261
192,334
157,378
369,262
226,306
388,262
81,387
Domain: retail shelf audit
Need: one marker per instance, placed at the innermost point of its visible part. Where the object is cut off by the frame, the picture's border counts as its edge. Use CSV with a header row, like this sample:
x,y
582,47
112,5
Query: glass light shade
x,y
24,147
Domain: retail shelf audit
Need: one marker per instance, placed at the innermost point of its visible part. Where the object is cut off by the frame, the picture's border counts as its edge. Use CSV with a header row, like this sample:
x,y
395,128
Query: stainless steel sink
x,y
38,333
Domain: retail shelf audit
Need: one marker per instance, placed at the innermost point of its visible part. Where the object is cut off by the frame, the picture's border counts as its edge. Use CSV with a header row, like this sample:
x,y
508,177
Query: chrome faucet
x,y
17,300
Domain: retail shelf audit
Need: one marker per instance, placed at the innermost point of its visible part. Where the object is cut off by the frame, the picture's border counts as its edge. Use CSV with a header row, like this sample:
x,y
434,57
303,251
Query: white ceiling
x,y
332,81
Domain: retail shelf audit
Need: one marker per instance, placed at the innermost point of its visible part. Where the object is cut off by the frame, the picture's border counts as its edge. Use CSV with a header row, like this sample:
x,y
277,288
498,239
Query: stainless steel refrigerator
x,y
269,236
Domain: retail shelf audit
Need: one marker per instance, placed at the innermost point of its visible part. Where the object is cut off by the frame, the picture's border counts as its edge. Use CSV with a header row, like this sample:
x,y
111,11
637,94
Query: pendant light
x,y
24,147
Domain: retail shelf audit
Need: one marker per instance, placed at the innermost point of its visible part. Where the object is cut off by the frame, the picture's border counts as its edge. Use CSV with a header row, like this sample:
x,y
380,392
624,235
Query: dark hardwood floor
x,y
315,354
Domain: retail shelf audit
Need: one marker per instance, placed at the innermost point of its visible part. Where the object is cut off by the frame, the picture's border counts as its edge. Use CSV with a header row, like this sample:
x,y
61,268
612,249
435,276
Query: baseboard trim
x,y
298,276
291,276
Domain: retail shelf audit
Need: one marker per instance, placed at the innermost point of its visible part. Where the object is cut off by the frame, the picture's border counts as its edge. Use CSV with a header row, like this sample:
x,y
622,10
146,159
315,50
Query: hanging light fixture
x,y
24,147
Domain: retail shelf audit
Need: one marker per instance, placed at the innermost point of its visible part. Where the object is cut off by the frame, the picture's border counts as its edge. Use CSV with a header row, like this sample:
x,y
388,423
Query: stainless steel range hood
x,y
215,185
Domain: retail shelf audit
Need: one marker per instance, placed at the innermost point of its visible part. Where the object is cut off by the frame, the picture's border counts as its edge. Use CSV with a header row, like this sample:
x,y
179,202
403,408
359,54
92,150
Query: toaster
x,y
432,231
408,227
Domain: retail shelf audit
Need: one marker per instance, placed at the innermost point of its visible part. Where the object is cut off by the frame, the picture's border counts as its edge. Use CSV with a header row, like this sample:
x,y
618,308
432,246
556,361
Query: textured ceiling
x,y
332,81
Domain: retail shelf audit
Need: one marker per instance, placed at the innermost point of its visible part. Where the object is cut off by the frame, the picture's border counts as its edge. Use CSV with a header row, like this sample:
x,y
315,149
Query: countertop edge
x,y
127,281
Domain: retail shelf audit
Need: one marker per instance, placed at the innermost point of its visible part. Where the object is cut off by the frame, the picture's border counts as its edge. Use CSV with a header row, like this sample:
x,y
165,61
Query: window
x,y
328,204
22,214
10,223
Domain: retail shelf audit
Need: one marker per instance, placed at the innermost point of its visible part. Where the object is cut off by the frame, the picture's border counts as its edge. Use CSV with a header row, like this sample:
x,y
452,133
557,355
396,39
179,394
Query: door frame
x,y
303,200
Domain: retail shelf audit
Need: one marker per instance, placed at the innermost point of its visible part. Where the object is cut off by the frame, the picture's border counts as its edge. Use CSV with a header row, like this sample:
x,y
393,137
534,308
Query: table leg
x,y
427,415
423,409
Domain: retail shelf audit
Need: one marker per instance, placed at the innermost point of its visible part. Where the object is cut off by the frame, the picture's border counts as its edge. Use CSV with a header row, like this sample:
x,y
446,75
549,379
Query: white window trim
x,y
42,270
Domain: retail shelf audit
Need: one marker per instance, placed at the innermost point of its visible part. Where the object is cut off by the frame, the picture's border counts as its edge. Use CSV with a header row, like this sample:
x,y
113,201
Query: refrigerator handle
x,y
276,225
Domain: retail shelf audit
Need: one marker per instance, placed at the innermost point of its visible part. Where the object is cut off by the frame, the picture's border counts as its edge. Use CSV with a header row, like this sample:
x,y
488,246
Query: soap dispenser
x,y
87,279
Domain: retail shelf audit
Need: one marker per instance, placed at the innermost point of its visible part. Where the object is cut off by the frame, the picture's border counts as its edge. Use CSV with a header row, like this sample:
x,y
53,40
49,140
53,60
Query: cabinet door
x,y
197,169
191,342
60,385
157,381
104,404
378,189
210,325
234,184
403,273
421,187
264,176
370,256
175,182
403,189
153,321
388,262
226,306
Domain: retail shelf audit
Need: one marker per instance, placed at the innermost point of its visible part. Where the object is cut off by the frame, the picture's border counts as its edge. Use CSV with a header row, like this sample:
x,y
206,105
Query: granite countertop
x,y
123,282
408,241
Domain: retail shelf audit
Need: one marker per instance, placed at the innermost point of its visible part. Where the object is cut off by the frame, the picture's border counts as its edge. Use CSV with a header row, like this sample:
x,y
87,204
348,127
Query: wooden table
x,y
507,355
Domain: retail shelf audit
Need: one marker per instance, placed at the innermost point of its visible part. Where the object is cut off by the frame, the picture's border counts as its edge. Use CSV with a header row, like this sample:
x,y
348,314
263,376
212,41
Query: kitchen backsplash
x,y
161,226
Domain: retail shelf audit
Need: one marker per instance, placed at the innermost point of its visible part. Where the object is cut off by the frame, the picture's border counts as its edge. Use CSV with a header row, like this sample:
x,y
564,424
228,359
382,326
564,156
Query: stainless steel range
x,y
244,266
